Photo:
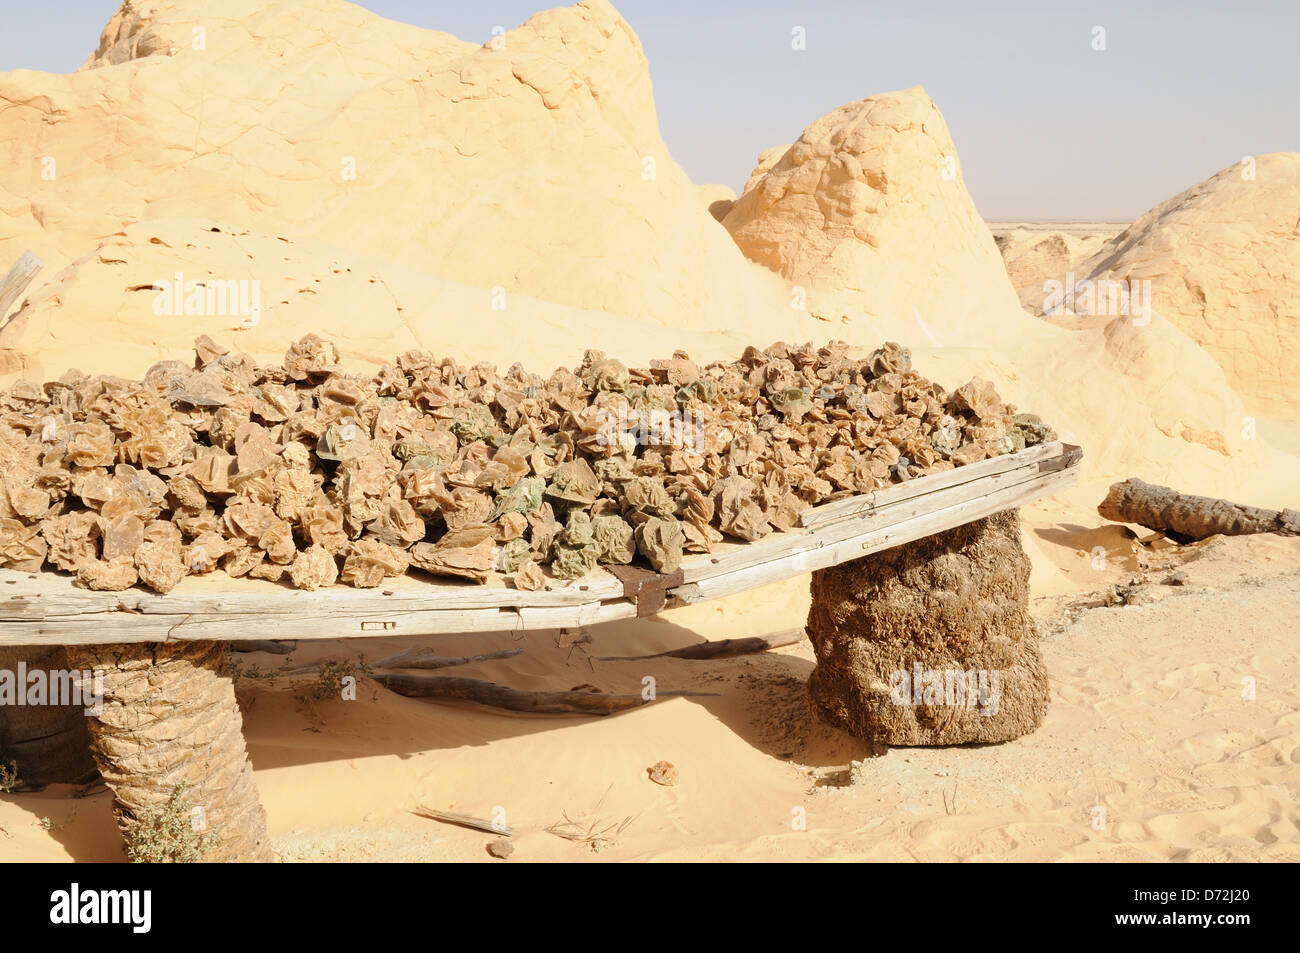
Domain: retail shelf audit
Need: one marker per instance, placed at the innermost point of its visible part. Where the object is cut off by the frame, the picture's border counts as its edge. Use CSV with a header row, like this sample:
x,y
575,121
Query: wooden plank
x,y
50,594
130,627
733,557
874,539
14,283
888,496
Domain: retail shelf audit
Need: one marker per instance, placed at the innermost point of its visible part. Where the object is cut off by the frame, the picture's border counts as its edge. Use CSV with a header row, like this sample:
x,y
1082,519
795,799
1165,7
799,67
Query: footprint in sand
x,y
1077,694
1205,855
674,811
1184,801
1275,753
1178,773
1105,786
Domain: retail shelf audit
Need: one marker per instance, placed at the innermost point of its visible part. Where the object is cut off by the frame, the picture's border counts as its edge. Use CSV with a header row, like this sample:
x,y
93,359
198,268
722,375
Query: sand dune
x,y
322,121
1034,256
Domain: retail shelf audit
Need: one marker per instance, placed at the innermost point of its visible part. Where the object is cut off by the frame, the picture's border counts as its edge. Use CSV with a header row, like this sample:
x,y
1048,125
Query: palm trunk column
x,y
930,642
170,719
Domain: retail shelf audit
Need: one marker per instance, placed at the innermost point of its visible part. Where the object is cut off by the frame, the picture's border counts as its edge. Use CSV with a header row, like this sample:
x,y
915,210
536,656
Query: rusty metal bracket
x,y
1070,455
649,590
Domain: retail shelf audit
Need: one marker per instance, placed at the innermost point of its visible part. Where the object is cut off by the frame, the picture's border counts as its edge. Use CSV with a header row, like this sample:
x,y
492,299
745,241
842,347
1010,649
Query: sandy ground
x,y
1149,751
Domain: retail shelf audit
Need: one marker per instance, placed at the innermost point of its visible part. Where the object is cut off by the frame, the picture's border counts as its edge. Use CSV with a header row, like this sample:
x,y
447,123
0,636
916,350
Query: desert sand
x,y
391,188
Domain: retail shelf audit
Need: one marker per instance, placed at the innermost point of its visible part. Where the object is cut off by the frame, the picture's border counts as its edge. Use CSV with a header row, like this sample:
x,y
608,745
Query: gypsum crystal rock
x,y
460,470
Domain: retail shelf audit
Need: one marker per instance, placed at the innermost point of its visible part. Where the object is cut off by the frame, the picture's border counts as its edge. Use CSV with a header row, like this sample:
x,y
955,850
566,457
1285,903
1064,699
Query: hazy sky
x,y
1046,126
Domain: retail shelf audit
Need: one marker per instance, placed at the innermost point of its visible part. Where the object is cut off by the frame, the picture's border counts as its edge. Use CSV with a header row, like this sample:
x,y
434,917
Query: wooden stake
x,y
464,820
16,281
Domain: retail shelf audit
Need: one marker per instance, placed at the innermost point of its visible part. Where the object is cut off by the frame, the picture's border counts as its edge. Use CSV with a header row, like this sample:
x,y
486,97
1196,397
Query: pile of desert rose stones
x,y
306,474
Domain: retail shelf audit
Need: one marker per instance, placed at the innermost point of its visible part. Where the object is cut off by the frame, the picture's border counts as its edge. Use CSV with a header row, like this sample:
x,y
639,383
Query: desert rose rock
x,y
301,469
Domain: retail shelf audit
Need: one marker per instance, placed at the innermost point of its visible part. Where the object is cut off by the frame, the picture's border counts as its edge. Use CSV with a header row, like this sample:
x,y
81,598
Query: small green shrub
x,y
330,676
9,780
166,834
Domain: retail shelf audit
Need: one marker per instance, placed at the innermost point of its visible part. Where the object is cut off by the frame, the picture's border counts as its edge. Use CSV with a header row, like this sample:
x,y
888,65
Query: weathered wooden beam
x,y
863,504
961,507
493,695
417,657
795,546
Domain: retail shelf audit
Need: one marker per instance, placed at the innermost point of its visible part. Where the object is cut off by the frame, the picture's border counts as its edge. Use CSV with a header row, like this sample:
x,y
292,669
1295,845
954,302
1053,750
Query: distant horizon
x,y
1049,126
1056,221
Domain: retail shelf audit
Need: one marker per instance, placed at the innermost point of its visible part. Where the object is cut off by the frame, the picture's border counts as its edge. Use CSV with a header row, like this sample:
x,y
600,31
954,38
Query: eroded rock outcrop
x,y
1223,263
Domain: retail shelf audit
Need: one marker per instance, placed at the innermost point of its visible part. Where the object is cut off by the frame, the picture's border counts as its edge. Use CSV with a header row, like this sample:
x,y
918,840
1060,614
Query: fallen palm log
x,y
516,699
465,820
418,657
720,648
270,646
1192,517
421,657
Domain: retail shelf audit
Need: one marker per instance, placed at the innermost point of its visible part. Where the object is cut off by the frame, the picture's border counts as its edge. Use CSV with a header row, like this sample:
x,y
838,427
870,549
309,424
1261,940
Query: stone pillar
x,y
930,642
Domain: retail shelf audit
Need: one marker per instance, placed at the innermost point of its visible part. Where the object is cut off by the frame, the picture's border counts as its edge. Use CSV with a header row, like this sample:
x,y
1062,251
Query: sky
x,y
1046,126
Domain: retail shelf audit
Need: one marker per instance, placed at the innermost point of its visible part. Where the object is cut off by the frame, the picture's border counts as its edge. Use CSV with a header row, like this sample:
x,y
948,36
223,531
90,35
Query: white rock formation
x,y
1223,262
532,163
